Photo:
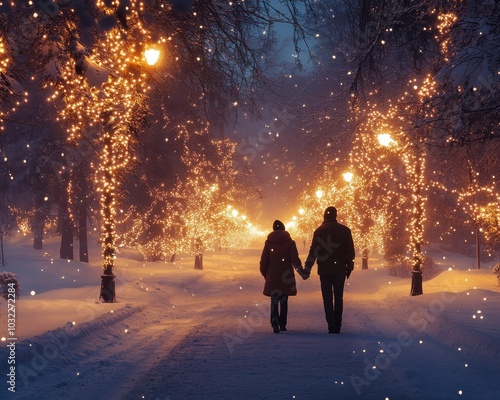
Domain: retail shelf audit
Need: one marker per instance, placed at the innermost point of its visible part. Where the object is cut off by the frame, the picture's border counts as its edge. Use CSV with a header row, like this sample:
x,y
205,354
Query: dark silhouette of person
x,y
277,262
332,248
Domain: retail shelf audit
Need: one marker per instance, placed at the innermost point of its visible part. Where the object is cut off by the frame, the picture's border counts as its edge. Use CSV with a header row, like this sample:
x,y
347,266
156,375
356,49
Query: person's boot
x,y
276,328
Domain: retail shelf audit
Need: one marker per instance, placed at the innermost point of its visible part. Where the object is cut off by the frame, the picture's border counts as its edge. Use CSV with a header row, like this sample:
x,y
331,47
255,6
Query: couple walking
x,y
332,248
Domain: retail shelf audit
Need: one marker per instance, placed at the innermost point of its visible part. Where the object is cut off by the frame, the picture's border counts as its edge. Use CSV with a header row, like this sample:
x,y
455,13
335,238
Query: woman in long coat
x,y
278,260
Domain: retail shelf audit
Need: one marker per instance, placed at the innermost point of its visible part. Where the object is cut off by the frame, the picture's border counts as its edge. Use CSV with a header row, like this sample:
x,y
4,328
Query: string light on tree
x,y
202,208
105,91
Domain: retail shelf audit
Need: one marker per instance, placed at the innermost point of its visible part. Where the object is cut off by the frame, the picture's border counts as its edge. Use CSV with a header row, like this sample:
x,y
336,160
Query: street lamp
x,y
348,176
319,193
385,139
151,55
107,293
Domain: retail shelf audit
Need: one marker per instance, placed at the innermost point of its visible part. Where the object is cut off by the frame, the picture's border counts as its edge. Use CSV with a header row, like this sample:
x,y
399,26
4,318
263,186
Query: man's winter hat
x,y
330,213
278,226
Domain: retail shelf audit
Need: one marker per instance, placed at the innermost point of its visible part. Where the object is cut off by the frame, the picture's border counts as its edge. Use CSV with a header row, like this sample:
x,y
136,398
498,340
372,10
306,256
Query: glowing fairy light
x,y
10,96
4,61
446,21
481,203
196,209
390,189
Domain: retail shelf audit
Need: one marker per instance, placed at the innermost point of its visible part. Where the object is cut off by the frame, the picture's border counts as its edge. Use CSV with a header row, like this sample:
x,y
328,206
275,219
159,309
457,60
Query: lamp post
x,y
107,292
417,228
415,175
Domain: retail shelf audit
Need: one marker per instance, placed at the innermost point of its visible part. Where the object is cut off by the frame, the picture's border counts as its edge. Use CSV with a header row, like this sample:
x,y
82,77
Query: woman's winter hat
x,y
330,213
278,226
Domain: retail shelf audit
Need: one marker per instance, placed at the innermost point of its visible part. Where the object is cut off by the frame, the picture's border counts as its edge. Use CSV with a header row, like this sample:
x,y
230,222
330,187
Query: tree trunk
x,y
108,234
108,221
82,233
198,261
38,226
416,275
67,226
66,250
108,204
417,225
478,250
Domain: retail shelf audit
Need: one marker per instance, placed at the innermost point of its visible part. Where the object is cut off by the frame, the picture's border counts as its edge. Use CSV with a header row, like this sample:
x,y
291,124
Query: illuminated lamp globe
x,y
152,56
385,139
348,176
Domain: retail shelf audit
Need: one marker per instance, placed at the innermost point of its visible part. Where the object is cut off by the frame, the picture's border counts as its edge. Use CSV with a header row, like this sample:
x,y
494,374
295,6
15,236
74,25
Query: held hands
x,y
304,273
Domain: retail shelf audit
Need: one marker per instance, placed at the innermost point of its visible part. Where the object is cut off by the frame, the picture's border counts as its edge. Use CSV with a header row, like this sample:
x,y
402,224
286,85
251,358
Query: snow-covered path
x,y
178,333
308,363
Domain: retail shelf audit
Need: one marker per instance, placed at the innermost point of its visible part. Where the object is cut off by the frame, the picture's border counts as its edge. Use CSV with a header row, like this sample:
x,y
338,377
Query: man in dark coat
x,y
333,249
279,258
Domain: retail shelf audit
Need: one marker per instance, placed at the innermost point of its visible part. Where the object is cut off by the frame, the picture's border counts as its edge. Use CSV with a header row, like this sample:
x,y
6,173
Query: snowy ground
x,y
179,333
